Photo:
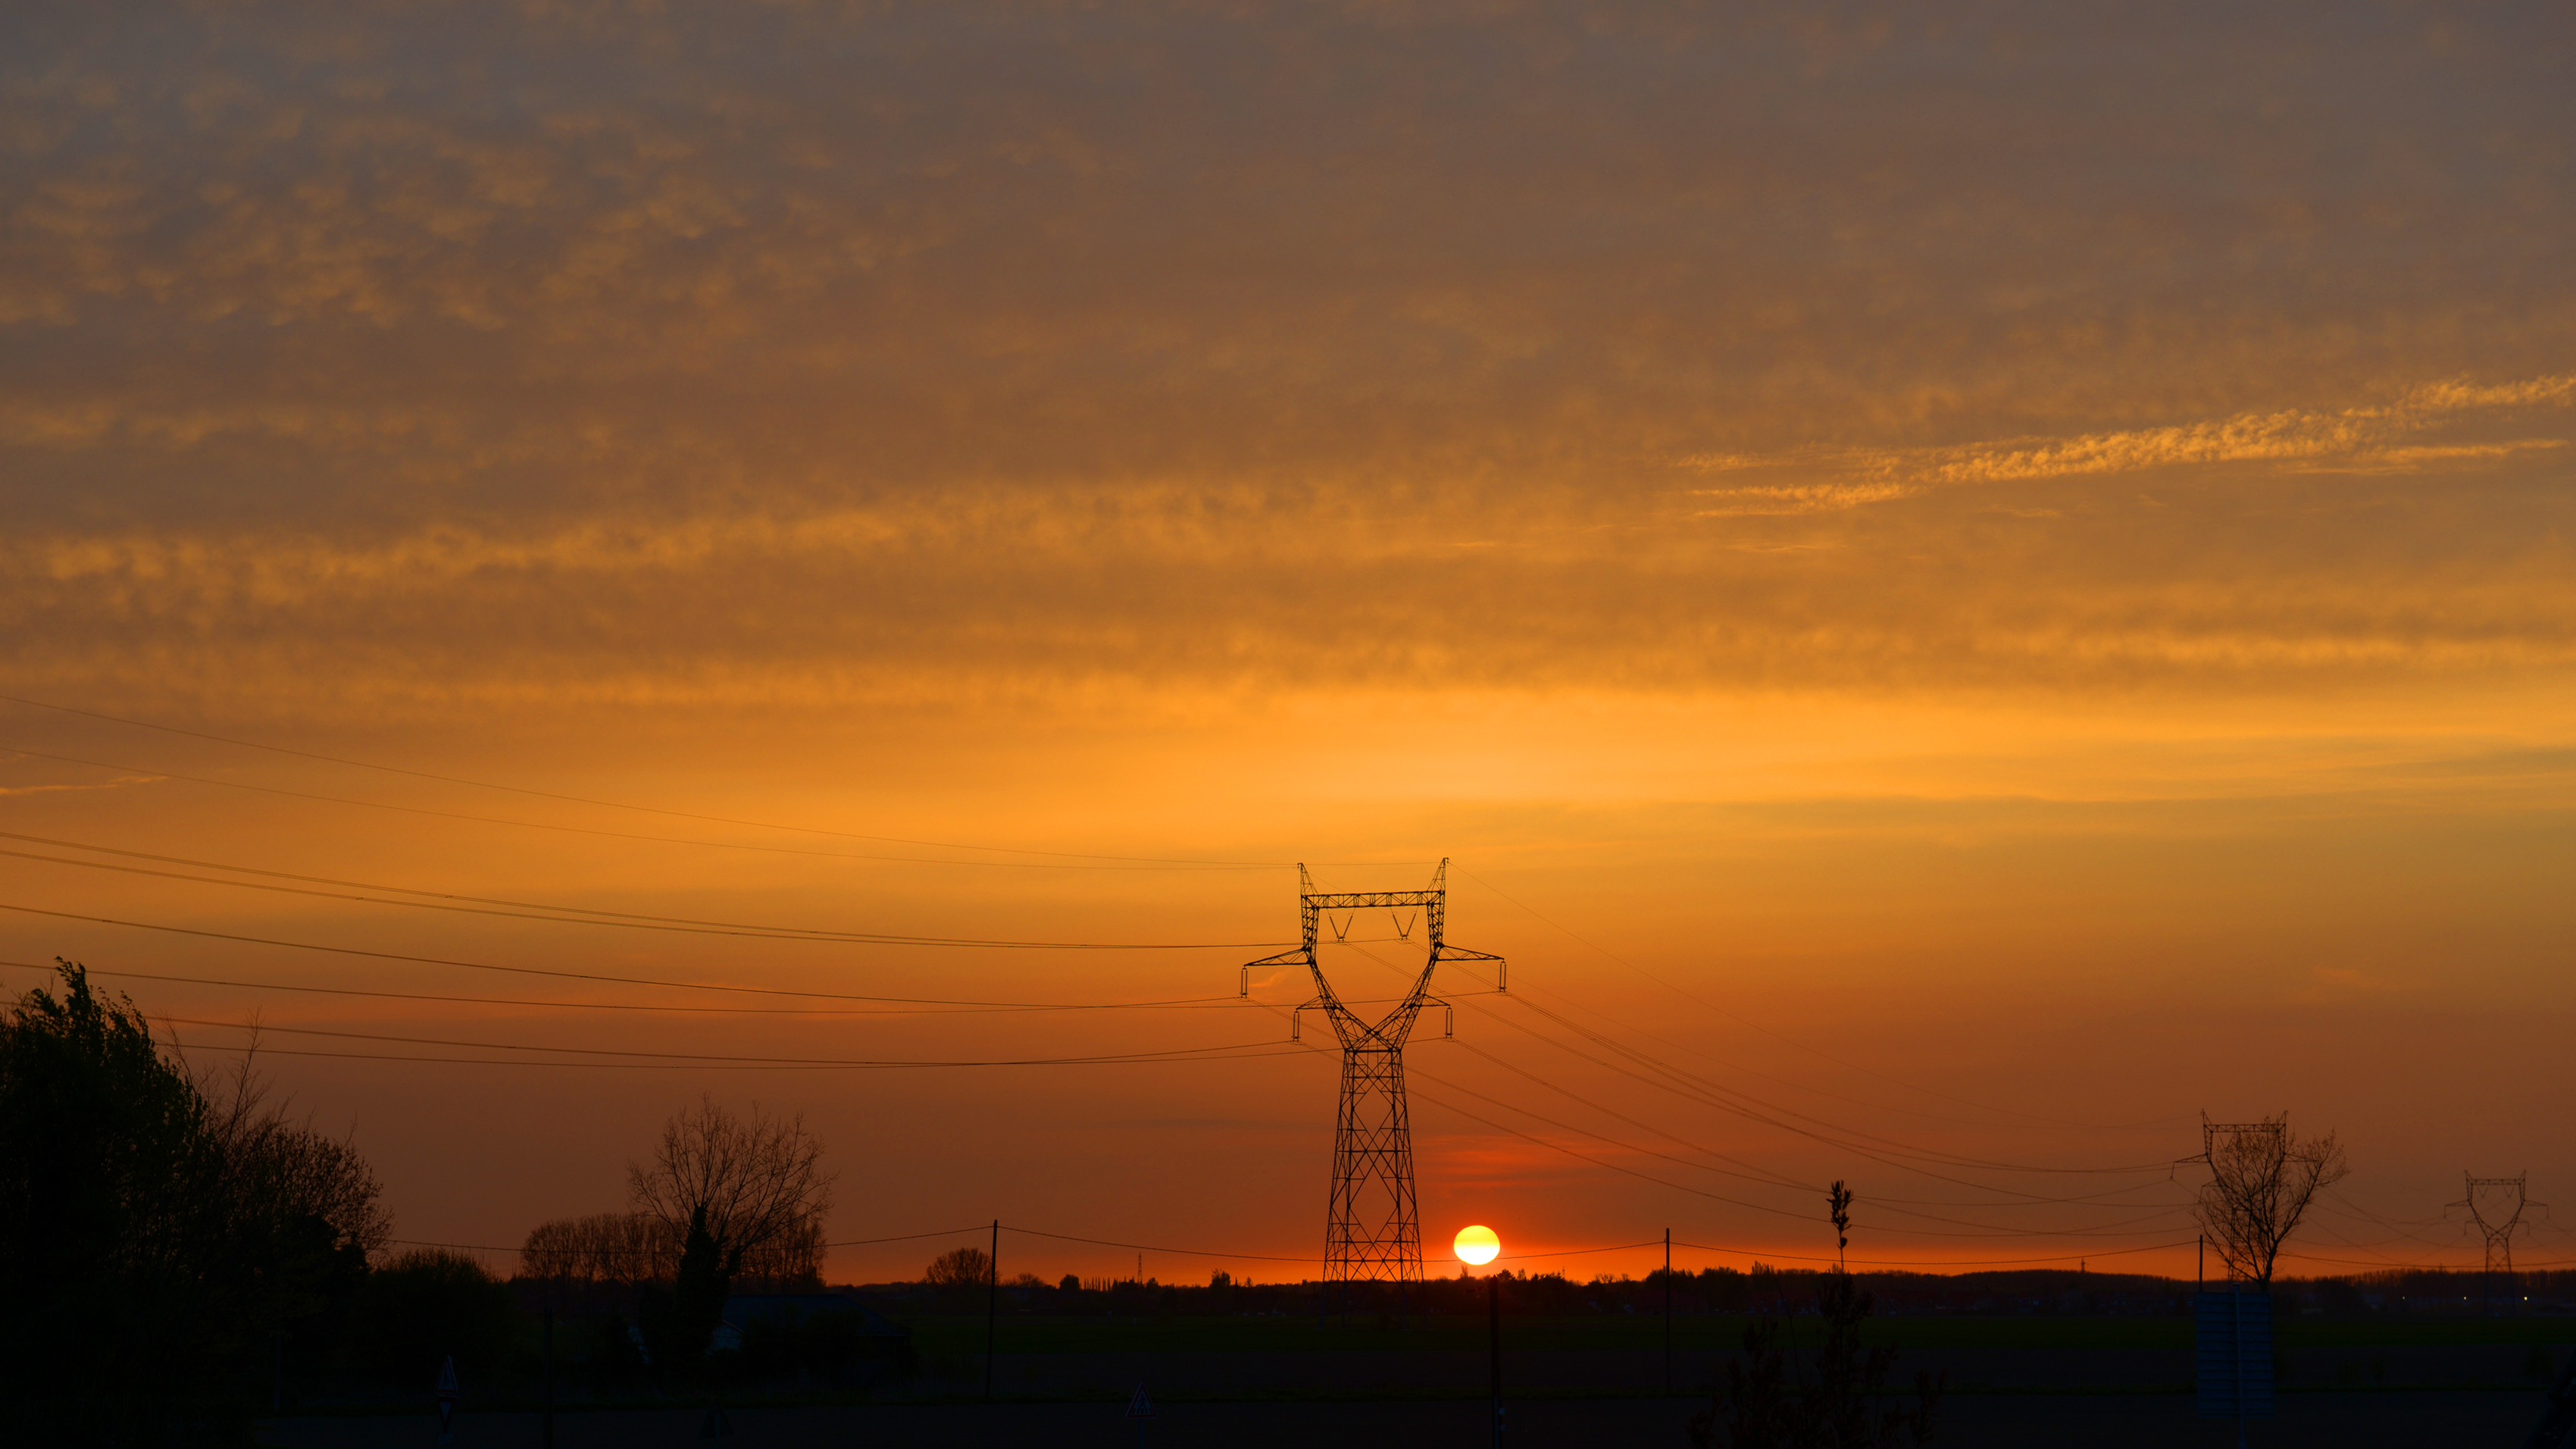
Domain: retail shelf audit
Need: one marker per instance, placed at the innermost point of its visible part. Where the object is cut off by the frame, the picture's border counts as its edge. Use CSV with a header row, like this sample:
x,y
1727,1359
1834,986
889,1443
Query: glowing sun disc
x,y
1477,1244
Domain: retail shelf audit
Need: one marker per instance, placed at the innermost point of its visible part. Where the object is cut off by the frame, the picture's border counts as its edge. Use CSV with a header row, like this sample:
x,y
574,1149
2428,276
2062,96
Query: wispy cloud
x,y
2359,438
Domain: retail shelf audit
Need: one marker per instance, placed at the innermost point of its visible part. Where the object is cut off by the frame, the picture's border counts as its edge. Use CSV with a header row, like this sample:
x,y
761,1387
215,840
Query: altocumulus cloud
x,y
821,351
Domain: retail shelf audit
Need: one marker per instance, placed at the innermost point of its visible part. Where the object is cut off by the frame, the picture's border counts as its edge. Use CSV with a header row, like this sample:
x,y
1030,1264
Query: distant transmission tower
x,y
1373,1232
2495,1204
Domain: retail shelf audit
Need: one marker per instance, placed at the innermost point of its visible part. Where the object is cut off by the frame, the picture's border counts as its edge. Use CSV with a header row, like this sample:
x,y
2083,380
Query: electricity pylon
x,y
2499,1216
1372,1232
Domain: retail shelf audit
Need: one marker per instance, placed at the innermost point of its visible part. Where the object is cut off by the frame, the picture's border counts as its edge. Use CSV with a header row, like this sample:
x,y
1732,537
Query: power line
x,y
573,915
616,804
1749,1174
534,1063
606,834
945,1008
511,970
2158,1212
690,1059
1691,1087
1767,1031
852,1243
1956,1262
1579,1252
256,1028
1713,1196
1985,1230
1150,1248
1772,1181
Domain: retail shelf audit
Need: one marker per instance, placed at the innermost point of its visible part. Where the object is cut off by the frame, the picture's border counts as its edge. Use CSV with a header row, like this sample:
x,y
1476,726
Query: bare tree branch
x,y
2262,1179
760,1179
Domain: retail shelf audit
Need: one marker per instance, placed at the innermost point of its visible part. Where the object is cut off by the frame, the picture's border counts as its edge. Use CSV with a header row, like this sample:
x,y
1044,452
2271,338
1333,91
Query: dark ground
x,y
2017,1381
2343,1420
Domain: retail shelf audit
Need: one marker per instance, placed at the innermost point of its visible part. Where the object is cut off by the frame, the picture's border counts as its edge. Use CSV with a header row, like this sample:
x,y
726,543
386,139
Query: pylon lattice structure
x,y
2210,1132
1372,1231
2496,1204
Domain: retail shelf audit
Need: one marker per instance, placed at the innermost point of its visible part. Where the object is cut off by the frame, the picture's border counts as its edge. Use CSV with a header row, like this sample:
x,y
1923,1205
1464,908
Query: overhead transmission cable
x,y
618,804
2162,1211
568,915
907,1006
1173,1053
1895,1204
607,834
1766,1031
1693,1088
1415,1071
2158,1211
520,970
541,1063
1950,1263
1690,1084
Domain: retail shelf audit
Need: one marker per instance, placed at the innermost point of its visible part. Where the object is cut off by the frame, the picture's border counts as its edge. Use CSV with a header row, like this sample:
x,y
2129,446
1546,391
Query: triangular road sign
x,y
447,1401
1140,1407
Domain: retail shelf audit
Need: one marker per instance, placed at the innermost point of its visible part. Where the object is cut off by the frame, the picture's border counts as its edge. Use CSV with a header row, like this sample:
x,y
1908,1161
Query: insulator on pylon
x,y
1448,1019
1296,1021
1243,982
1503,976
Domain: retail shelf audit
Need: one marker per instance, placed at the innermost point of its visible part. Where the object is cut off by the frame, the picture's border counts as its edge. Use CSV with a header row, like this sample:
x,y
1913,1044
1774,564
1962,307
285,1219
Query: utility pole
x,y
992,1305
1372,1230
1668,1310
548,1431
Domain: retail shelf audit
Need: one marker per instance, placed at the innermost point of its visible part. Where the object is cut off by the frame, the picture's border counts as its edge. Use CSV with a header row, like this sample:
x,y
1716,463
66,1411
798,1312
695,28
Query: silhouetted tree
x,y
959,1268
679,1321
756,1182
307,1210
154,1240
425,1306
2261,1183
602,1248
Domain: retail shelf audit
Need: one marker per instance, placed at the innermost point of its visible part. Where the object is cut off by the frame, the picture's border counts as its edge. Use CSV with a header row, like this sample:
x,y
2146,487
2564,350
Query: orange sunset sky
x,y
1959,591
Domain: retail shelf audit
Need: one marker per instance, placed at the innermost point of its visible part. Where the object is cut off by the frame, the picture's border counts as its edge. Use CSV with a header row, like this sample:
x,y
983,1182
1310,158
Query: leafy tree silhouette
x,y
680,1320
158,1240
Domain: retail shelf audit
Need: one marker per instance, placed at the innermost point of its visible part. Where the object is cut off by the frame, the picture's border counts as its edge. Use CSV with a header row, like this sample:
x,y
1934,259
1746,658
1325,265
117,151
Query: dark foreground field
x,y
2347,1421
2017,1381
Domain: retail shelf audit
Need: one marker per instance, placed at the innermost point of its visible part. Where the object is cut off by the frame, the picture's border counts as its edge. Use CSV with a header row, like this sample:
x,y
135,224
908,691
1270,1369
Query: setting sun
x,y
1477,1244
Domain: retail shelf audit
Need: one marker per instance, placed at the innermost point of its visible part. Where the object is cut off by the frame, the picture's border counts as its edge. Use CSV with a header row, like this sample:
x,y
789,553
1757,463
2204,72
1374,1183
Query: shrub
x,y
429,1305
